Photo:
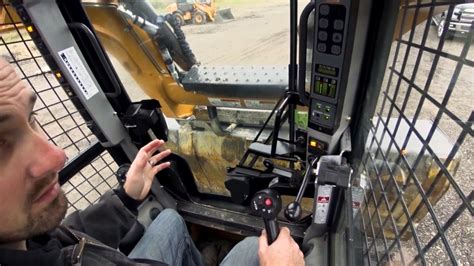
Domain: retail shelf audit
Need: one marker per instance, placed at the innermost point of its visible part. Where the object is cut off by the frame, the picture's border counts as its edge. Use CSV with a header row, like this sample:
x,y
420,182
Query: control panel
x,y
330,36
337,51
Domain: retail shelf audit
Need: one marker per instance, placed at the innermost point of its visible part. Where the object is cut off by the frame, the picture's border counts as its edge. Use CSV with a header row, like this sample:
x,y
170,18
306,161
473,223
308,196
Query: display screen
x,y
325,86
327,70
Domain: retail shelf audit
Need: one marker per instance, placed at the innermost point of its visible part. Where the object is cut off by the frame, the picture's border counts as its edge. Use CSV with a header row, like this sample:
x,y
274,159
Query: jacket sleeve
x,y
108,221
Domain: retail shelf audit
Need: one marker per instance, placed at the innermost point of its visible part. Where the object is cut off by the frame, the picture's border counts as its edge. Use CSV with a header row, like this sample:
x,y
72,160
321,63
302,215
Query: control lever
x,y
267,204
293,210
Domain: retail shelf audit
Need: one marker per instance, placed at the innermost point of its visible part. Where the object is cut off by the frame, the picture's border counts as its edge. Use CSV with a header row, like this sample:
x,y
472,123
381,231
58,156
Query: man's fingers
x,y
284,232
160,167
156,147
151,147
141,160
295,246
262,241
160,156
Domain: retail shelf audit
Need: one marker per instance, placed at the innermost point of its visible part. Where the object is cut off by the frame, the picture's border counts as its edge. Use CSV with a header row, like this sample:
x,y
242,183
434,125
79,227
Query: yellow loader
x,y
198,12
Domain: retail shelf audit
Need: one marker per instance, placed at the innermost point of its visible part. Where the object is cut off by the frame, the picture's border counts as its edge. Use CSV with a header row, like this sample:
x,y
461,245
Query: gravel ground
x,y
460,234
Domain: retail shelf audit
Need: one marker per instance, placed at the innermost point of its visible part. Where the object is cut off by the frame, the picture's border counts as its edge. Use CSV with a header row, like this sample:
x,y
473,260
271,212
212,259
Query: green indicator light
x,y
318,106
326,117
318,87
325,89
328,109
332,90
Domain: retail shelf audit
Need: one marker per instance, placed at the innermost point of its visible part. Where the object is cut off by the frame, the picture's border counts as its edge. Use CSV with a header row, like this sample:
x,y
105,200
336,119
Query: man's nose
x,y
49,159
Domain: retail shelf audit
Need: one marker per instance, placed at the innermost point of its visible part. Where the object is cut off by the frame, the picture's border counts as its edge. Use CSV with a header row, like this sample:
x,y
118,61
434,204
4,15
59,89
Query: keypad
x,y
338,24
324,10
337,37
322,47
330,26
335,49
323,23
323,35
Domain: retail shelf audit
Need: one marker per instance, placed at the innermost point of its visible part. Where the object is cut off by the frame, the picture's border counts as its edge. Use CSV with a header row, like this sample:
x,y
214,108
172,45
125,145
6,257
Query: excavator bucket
x,y
223,15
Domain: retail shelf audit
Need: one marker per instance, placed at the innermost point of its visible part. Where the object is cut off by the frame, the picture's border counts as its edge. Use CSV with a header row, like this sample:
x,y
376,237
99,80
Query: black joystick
x,y
267,203
293,210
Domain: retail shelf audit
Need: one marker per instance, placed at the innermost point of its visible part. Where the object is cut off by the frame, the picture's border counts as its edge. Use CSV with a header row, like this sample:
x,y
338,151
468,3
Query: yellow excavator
x,y
198,12
337,133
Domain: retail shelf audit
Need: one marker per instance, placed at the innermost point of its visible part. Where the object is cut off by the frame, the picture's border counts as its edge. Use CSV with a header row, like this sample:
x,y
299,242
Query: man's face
x,y
31,200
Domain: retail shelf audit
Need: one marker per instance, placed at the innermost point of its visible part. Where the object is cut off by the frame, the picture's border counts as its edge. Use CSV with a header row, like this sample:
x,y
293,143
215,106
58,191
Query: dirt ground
x,y
258,36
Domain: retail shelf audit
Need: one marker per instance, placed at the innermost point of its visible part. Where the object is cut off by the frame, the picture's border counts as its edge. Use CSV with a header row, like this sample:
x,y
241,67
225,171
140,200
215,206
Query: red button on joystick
x,y
268,202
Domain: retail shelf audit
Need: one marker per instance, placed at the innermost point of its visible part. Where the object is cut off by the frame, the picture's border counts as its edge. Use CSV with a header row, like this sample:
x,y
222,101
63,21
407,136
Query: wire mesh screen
x,y
418,201
57,116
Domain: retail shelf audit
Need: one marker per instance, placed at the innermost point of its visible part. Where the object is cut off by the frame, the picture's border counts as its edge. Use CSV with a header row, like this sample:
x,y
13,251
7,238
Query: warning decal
x,y
78,72
225,102
357,197
322,204
260,104
323,199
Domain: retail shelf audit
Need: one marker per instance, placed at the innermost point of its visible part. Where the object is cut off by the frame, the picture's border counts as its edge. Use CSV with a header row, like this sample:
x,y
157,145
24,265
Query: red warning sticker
x,y
323,199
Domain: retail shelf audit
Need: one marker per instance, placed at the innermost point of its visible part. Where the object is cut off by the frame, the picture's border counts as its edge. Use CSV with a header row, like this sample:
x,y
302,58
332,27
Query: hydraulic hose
x,y
170,35
181,39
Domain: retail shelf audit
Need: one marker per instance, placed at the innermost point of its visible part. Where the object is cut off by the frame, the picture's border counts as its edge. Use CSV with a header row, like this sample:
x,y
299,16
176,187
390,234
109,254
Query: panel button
x,y
338,24
268,202
324,10
322,35
337,37
323,23
336,49
322,47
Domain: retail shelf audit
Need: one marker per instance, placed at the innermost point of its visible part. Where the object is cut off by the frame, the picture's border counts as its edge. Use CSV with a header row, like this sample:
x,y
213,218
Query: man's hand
x,y
143,170
283,251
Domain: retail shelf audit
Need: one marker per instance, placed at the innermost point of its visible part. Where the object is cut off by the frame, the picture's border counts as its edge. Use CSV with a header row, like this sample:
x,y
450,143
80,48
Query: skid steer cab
x,y
352,140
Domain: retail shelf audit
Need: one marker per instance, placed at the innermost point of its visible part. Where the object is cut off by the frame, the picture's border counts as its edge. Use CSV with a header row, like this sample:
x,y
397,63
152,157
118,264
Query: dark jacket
x,y
88,237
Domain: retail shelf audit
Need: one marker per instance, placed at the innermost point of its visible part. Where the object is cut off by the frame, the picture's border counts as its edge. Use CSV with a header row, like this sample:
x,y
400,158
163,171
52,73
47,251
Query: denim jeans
x,y
167,240
244,253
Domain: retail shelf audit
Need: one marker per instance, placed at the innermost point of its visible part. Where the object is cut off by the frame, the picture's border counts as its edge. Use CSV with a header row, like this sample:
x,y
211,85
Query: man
x,y
32,204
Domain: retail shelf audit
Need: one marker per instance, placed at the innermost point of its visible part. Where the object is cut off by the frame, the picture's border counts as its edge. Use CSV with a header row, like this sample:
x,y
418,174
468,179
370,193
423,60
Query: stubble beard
x,y
47,219
40,222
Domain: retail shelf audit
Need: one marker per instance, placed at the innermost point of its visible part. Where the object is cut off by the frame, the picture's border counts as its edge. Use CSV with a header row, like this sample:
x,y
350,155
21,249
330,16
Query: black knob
x,y
293,211
267,204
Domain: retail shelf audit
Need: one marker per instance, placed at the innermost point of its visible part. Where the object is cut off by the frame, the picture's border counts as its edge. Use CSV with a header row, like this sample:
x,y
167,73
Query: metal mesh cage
x,y
57,116
418,201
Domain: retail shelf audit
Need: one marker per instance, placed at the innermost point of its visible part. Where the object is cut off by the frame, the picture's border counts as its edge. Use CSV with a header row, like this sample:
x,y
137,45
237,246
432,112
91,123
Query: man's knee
x,y
244,253
250,242
171,216
171,221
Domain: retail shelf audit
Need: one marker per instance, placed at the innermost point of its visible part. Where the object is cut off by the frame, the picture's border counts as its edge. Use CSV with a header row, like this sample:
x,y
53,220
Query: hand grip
x,y
267,204
272,229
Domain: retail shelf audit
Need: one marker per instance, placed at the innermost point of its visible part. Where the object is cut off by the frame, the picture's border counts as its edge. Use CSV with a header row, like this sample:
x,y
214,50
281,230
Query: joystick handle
x,y
272,229
293,210
267,204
